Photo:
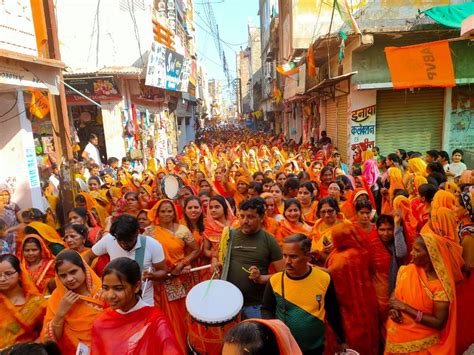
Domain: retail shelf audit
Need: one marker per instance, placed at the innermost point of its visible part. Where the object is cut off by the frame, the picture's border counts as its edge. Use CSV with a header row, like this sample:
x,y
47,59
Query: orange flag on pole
x,y
39,105
420,65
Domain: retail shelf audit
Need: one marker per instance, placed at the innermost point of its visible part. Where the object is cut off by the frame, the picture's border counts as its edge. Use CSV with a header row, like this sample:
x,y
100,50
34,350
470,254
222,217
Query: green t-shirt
x,y
259,249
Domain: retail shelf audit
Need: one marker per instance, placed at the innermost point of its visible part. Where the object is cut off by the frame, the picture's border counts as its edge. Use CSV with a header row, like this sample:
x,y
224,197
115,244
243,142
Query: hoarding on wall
x,y
17,32
167,69
362,130
461,120
98,89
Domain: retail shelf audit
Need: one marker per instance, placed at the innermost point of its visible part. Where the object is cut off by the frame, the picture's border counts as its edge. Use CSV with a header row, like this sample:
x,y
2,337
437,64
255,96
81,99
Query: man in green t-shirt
x,y
251,250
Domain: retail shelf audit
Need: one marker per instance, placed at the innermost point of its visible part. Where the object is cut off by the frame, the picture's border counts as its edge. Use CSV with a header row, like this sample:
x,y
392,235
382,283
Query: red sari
x,y
348,265
145,331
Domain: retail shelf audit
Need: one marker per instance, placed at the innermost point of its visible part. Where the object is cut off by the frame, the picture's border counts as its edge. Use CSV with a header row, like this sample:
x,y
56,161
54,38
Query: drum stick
x,y
146,281
200,268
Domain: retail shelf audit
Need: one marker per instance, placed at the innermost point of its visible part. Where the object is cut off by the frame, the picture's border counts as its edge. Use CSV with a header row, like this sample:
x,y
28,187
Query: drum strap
x,y
140,252
225,267
283,296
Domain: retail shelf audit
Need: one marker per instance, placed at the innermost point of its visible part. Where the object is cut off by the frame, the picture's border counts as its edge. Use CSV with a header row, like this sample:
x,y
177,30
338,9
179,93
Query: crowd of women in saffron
x,y
113,278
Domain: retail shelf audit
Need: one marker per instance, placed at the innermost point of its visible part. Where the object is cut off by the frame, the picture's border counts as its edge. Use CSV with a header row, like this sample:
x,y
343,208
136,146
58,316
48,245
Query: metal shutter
x,y
341,142
409,120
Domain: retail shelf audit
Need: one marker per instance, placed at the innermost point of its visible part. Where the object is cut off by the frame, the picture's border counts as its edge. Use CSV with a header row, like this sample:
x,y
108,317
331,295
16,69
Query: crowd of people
x,y
376,259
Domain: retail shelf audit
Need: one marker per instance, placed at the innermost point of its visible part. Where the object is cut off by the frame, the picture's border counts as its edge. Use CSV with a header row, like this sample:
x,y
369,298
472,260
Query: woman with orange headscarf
x,y
270,223
49,235
21,305
73,305
37,261
417,166
401,205
219,216
396,182
348,265
86,200
241,189
423,307
180,250
308,204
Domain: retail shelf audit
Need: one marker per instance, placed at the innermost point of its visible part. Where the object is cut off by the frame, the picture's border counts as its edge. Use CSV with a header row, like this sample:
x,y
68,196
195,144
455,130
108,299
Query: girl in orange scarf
x,y
241,188
348,265
87,201
21,305
293,222
37,261
74,304
308,205
423,308
219,216
180,250
329,216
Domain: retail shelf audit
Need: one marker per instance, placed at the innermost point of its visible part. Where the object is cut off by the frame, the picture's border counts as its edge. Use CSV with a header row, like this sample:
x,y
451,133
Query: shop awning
x,y
328,87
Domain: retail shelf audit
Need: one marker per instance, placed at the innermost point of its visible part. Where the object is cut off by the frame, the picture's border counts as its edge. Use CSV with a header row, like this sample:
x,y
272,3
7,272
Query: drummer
x,y
252,251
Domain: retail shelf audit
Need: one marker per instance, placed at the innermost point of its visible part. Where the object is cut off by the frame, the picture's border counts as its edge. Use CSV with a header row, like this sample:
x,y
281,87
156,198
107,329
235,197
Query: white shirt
x,y
153,254
457,168
93,153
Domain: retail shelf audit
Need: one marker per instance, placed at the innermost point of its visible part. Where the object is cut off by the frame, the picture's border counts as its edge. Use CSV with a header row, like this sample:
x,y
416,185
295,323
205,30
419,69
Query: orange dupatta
x,y
396,182
322,231
238,197
414,288
309,217
443,198
47,232
78,321
286,228
285,340
408,220
443,223
91,203
21,323
45,271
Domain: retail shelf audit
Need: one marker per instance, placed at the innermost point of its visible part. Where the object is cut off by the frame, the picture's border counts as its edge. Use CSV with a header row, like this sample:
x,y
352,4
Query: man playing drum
x,y
246,254
302,297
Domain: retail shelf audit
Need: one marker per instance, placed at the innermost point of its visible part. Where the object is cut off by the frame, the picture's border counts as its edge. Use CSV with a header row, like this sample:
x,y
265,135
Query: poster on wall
x,y
362,132
461,132
167,69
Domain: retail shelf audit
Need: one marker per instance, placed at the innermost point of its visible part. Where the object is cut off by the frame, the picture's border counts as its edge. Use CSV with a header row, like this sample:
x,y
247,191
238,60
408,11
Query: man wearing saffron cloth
x,y
245,255
302,297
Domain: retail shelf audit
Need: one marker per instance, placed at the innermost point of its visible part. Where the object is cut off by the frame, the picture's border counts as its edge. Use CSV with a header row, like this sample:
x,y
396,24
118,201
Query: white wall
x,y
17,153
77,31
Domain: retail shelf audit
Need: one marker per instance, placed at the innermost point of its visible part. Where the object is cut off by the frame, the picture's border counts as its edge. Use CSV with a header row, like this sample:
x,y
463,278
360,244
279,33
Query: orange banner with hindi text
x,y
421,65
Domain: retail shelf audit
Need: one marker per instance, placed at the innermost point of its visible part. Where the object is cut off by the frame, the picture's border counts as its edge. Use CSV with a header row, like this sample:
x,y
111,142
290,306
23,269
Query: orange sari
x,y
270,225
171,294
52,238
309,216
45,271
78,321
349,267
22,323
214,228
92,204
286,228
321,231
238,197
396,182
414,289
409,221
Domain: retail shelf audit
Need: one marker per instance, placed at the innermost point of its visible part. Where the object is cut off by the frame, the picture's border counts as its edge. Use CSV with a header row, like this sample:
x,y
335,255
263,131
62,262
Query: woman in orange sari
x,y
37,260
329,216
423,307
219,216
22,307
277,192
270,223
401,205
180,250
241,189
349,267
74,304
87,201
396,182
293,222
308,205
51,238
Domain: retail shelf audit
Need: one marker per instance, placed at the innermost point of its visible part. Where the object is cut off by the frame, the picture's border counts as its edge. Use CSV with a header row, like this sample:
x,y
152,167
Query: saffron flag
x,y
421,65
39,105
